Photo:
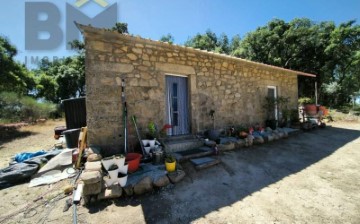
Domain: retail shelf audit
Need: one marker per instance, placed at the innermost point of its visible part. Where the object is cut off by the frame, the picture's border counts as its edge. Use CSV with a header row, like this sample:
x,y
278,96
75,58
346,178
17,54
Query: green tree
x,y
167,38
207,41
120,27
14,76
324,49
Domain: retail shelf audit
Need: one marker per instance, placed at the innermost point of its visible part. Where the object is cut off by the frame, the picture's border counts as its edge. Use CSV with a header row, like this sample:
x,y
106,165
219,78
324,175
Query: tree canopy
x,y
330,51
13,75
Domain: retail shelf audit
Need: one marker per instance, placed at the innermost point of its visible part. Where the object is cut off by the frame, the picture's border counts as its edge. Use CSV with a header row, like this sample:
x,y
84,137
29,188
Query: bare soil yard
x,y
312,177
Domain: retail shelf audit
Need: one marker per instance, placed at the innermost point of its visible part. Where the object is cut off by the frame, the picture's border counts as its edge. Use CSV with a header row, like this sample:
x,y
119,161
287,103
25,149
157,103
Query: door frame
x,y
188,100
275,96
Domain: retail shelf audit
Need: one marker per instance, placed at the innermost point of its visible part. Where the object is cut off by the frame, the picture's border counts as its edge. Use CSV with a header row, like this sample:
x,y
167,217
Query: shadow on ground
x,y
8,134
240,174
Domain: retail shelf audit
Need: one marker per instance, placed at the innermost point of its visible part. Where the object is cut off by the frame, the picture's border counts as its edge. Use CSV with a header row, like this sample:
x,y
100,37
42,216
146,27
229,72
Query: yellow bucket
x,y
170,167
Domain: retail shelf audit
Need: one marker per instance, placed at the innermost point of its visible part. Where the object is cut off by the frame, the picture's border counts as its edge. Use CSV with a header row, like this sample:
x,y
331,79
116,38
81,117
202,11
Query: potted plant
x,y
108,161
108,181
308,105
113,171
213,134
270,105
282,103
170,163
120,160
151,134
122,179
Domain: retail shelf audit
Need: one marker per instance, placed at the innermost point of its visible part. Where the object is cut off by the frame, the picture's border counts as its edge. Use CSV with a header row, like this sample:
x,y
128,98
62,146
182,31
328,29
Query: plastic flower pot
x,y
170,167
113,171
133,159
108,161
124,168
109,182
122,179
119,160
152,143
147,149
145,142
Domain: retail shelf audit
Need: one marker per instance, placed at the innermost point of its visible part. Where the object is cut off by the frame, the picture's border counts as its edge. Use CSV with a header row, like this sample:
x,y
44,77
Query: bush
x,y
15,108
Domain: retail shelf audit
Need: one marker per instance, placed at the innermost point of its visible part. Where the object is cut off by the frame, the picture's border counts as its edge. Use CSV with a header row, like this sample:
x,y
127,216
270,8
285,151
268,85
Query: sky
x,y
182,18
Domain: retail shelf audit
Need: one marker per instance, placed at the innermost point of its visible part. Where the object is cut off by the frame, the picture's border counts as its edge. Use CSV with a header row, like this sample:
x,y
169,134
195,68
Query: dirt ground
x,y
312,177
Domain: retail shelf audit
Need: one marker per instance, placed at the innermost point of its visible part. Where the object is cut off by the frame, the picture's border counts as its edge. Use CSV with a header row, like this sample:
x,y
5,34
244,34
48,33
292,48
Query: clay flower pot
x,y
122,179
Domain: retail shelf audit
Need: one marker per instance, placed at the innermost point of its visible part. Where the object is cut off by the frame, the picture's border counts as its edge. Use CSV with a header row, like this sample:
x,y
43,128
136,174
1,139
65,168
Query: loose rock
x,y
93,166
90,177
143,186
94,157
176,176
109,193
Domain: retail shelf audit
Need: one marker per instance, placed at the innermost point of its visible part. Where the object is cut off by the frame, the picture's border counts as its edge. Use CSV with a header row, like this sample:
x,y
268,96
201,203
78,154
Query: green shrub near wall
x,y
15,108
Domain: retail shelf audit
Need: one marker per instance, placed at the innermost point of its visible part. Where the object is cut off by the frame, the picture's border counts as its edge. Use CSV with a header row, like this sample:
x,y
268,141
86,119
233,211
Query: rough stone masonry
x,y
235,88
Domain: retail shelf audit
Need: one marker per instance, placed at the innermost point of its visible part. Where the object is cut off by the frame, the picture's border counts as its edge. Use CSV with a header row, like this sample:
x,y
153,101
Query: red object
x,y
133,159
310,109
75,156
324,110
251,130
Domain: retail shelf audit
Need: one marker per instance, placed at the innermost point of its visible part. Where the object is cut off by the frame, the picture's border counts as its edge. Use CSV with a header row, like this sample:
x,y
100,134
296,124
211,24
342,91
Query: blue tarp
x,y
20,157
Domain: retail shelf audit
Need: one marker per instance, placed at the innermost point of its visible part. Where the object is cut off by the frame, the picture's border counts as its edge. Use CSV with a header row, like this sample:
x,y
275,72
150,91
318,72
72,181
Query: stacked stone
x,y
91,177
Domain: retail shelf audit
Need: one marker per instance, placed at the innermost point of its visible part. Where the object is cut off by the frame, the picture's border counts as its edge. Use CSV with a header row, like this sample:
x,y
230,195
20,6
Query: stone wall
x,y
233,87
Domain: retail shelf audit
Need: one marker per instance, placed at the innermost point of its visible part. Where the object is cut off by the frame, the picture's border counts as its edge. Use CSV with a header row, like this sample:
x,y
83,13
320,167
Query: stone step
x,y
194,153
204,162
180,144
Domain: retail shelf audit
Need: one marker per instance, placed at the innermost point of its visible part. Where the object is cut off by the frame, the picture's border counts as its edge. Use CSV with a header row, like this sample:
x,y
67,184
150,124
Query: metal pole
x,y
316,95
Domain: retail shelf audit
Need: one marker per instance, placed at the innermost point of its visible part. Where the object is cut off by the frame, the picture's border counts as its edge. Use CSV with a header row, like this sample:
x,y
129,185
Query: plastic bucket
x,y
133,160
170,167
72,137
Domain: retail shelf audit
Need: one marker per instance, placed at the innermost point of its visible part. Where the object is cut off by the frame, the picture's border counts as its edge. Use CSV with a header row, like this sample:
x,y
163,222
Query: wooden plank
x,y
82,145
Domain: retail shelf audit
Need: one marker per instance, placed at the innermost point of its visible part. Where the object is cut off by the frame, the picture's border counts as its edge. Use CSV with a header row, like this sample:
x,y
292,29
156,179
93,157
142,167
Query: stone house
x,y
171,84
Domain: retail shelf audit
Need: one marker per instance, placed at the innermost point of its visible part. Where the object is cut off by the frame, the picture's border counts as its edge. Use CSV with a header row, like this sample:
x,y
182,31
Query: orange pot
x,y
325,111
310,109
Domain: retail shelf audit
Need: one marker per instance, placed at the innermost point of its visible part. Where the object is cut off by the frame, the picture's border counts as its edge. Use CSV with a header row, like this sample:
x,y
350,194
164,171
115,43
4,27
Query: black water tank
x,y
75,113
72,137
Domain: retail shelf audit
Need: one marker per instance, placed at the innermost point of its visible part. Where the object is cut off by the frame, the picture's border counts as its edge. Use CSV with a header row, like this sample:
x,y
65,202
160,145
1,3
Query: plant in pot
x,y
213,134
269,106
108,161
122,179
151,134
170,163
283,105
307,105
120,160
242,131
113,171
